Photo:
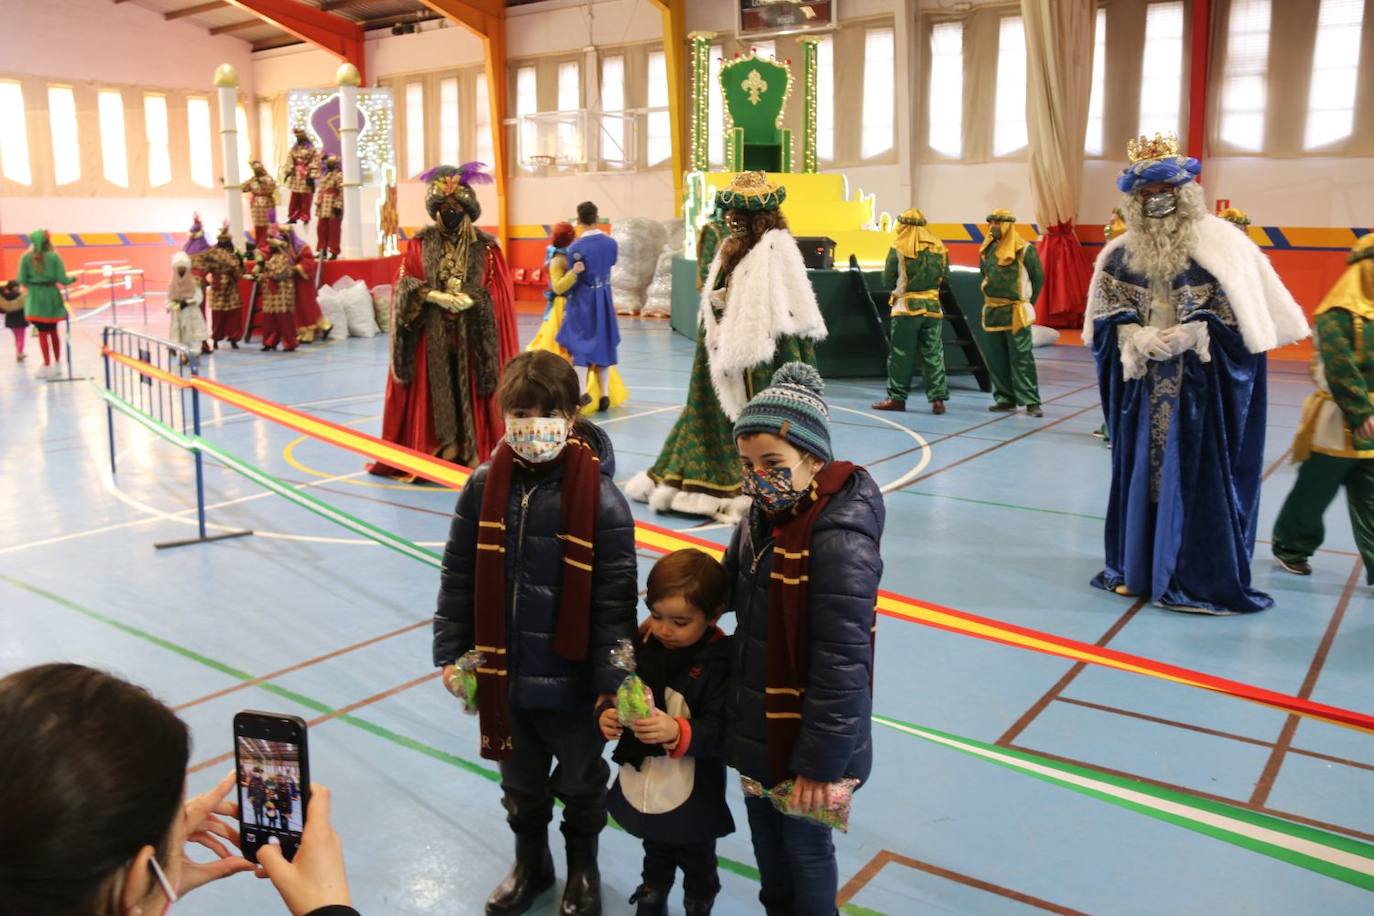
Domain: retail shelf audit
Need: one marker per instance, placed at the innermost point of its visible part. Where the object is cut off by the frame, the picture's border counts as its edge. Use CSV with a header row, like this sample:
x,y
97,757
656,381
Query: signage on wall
x,y
1222,204
784,17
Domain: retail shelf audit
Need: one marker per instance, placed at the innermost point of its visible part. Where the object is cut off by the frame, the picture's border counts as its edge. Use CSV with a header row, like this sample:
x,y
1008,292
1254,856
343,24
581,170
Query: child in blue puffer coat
x,y
805,567
540,576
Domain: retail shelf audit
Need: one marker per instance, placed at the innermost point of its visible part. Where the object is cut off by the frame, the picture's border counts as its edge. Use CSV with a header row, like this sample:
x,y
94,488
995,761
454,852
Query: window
x,y
946,100
200,136
526,103
1009,127
879,108
155,129
717,109
448,121
14,139
267,137
245,141
1093,140
66,149
825,99
613,111
569,99
114,157
1244,81
1161,76
1335,72
660,132
415,129
486,144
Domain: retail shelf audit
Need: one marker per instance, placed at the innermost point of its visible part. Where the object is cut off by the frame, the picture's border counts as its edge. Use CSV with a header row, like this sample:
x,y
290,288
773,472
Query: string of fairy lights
x,y
375,149
810,54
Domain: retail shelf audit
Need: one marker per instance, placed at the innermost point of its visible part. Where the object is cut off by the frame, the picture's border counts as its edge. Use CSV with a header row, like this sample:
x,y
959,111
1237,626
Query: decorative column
x,y
227,89
348,80
810,163
700,158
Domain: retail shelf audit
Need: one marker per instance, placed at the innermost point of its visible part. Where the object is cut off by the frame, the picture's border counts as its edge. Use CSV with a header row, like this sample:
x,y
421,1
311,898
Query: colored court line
x,y
1338,857
887,856
664,540
342,714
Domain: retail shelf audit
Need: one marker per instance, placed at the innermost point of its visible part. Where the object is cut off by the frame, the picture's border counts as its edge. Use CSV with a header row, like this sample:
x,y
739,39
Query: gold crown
x,y
1143,148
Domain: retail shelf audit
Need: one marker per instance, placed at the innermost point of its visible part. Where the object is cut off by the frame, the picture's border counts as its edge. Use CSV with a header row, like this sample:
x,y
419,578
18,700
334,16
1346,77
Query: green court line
x,y
997,505
742,869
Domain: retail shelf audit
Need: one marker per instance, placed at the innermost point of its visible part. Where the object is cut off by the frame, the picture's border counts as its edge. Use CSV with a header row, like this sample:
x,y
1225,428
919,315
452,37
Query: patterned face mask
x,y
537,440
772,489
1160,205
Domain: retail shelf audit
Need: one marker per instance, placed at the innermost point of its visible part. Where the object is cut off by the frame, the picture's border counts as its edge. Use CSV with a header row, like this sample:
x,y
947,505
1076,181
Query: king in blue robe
x,y
1182,310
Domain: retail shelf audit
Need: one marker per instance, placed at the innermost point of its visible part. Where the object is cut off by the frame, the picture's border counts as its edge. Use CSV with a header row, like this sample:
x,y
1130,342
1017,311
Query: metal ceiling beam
x,y
236,27
195,10
487,20
329,32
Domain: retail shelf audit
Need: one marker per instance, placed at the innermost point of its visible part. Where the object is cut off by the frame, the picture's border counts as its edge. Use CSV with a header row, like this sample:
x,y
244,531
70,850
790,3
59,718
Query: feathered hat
x,y
447,182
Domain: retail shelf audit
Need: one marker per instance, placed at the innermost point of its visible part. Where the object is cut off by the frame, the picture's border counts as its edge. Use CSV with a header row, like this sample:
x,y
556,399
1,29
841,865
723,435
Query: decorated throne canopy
x,y
755,91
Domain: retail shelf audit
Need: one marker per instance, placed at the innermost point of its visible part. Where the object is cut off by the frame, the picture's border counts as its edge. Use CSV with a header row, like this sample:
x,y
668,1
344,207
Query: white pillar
x,y
227,86
348,79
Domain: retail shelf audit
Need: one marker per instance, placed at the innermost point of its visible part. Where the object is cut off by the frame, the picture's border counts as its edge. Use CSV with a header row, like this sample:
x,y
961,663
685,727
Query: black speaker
x,y
817,251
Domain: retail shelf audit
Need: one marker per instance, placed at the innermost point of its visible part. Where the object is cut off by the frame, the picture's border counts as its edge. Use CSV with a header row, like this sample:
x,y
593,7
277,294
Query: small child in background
x,y
12,304
184,295
671,789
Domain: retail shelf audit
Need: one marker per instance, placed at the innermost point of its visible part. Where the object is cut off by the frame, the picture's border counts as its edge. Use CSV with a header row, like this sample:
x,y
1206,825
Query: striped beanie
x,y
791,408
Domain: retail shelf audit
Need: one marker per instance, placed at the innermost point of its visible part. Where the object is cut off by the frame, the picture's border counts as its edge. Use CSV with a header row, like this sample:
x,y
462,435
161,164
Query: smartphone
x,y
272,761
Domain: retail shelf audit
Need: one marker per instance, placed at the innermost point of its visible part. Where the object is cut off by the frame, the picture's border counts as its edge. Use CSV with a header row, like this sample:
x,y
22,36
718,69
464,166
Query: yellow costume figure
x,y
561,279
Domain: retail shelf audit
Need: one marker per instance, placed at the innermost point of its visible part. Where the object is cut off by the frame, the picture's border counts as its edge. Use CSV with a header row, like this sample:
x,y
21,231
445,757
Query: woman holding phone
x,y
103,833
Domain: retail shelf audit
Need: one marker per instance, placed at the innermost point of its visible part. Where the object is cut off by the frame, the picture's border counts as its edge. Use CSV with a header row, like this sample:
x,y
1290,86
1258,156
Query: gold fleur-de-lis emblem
x,y
755,86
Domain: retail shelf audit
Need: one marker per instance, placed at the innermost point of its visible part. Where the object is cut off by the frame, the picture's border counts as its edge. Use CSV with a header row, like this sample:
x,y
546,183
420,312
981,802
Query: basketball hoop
x,y
542,163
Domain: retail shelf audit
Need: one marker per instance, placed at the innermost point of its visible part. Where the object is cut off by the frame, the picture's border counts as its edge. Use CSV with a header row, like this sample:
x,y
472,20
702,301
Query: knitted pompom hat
x,y
791,408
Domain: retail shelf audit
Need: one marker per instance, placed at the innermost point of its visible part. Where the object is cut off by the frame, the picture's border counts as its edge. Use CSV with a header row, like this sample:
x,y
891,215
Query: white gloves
x,y
1142,344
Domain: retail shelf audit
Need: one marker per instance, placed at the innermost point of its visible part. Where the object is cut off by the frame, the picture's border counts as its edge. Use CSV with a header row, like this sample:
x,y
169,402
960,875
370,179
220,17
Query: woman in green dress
x,y
758,312
41,270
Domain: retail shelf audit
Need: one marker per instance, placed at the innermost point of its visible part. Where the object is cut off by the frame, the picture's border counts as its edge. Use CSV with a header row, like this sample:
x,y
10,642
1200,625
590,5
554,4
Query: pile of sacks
x,y
658,299
348,303
639,241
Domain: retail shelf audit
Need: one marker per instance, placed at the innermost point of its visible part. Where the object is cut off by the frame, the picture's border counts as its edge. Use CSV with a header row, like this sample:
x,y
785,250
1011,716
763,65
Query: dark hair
x,y
94,771
734,248
692,575
562,235
541,381
587,214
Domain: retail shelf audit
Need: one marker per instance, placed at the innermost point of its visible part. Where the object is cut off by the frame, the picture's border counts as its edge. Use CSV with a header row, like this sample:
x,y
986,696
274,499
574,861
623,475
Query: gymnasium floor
x,y
995,515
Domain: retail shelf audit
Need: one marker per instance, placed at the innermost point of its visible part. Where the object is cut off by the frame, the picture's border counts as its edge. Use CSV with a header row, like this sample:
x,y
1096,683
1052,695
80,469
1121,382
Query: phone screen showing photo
x,y
271,797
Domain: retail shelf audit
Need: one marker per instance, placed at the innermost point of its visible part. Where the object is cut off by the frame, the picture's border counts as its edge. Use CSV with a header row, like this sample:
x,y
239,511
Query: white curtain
x,y
1059,53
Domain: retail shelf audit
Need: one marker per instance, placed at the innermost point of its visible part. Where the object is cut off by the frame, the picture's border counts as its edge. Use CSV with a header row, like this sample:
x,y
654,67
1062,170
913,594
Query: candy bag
x,y
835,816
631,699
463,681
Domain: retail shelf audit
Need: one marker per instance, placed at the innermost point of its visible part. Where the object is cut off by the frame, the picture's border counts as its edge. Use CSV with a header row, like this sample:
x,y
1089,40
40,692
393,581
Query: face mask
x,y
1160,205
451,219
772,490
537,439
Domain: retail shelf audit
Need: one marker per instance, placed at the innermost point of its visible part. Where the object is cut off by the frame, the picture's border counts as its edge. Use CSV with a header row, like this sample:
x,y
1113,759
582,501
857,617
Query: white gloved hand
x,y
1139,346
1191,336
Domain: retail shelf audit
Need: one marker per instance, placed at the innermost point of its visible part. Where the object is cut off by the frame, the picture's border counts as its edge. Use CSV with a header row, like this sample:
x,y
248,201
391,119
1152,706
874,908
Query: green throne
x,y
755,92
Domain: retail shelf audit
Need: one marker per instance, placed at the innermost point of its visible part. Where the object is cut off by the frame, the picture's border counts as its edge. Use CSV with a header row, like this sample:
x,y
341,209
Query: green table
x,y
855,347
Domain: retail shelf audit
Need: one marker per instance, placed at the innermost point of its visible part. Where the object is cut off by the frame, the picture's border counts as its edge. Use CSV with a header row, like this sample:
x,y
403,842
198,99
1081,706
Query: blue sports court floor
x,y
995,515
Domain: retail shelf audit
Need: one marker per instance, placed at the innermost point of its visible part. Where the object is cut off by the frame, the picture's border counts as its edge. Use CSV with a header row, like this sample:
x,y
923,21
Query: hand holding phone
x,y
316,878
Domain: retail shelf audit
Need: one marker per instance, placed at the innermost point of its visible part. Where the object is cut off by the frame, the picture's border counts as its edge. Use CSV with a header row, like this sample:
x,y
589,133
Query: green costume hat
x,y
912,217
1000,215
751,191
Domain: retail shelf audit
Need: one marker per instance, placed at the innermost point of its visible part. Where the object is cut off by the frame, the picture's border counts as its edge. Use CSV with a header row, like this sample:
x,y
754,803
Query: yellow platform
x,y
817,204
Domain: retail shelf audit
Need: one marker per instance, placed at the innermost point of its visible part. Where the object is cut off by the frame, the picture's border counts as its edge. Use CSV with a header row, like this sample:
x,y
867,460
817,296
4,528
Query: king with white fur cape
x,y
1187,430
764,316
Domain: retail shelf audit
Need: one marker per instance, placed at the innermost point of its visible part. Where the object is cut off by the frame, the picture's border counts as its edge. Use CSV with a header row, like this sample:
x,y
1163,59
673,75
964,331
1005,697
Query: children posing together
x,y
538,589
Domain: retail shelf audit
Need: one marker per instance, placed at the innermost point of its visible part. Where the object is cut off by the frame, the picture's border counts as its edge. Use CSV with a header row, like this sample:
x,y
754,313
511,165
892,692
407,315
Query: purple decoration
x,y
326,121
470,173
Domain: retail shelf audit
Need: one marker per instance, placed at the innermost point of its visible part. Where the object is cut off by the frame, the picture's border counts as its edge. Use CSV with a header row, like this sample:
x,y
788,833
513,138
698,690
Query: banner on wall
x,y
758,18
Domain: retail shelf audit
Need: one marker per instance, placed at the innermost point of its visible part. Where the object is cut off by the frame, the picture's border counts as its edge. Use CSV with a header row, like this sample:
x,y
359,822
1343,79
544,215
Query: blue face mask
x,y
772,489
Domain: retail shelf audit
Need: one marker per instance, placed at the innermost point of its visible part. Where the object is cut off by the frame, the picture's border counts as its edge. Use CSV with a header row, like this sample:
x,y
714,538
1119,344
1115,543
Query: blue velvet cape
x,y
1187,451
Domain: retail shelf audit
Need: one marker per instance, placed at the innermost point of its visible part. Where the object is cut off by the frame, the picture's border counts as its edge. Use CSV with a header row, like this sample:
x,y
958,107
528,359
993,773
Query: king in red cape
x,y
453,330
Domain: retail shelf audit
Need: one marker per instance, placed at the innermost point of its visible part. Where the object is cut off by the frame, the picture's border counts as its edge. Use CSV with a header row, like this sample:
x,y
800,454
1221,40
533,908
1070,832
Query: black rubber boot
x,y
650,901
582,892
698,906
531,875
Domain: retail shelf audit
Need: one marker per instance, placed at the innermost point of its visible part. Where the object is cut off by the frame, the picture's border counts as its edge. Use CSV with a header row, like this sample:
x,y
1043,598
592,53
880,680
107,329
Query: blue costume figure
x,y
590,331
1181,311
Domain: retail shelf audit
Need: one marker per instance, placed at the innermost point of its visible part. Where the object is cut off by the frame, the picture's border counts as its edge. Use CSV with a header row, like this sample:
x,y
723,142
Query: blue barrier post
x,y
200,459
109,411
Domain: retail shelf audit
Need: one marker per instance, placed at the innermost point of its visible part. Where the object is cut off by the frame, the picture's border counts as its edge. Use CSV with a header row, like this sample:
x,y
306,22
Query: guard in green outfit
x,y
917,264
1335,440
41,270
1011,284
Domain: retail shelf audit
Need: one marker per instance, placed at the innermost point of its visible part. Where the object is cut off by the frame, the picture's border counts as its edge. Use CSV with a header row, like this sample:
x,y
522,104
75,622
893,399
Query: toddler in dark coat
x,y
671,789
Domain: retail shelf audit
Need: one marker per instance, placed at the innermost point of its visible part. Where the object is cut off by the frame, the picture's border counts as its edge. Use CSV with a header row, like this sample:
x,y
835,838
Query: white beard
x,y
1161,248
